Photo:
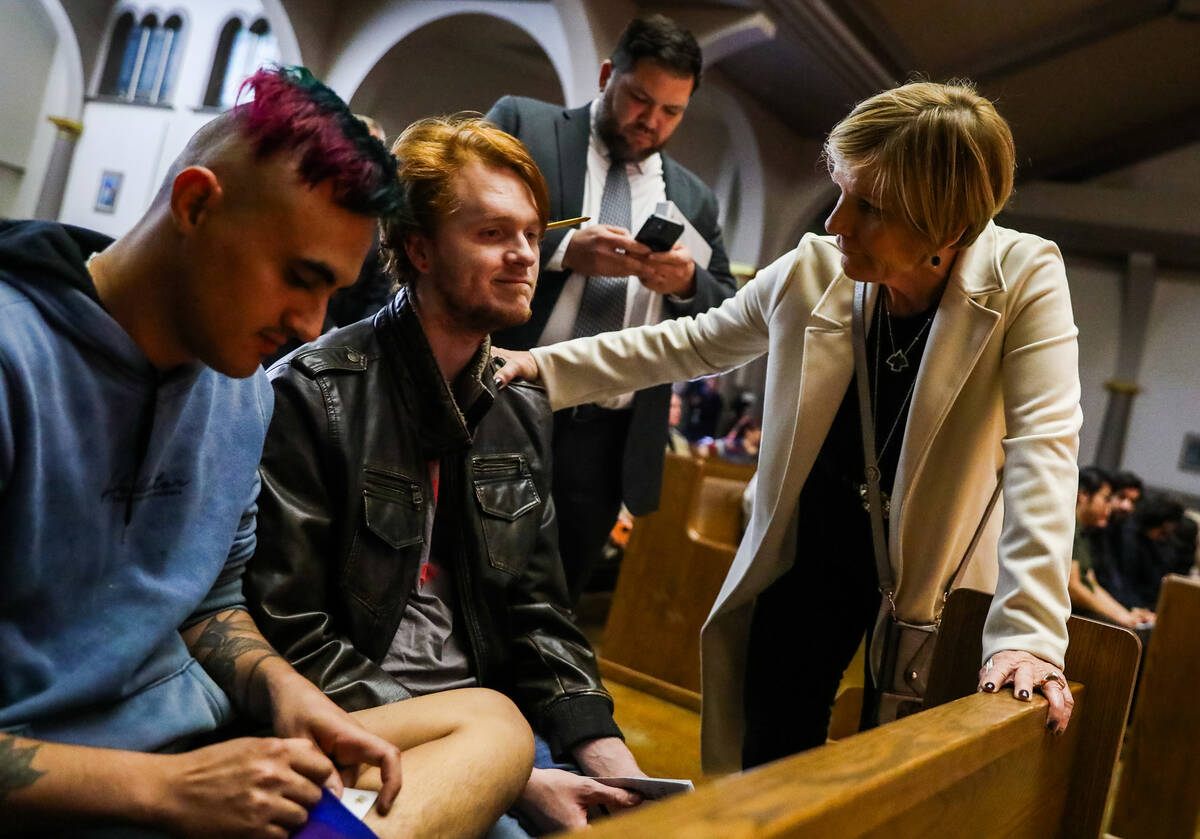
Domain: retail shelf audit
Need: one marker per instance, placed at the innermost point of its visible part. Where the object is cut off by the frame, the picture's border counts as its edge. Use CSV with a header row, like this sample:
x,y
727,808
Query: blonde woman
x,y
971,360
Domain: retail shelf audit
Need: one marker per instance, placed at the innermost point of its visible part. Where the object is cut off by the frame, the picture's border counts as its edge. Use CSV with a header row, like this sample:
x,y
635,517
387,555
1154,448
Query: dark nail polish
x,y
1052,727
989,687
498,381
1023,695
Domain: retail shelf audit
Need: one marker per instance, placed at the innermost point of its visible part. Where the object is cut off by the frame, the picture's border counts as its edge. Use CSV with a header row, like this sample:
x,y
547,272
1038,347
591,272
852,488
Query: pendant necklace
x,y
898,360
885,497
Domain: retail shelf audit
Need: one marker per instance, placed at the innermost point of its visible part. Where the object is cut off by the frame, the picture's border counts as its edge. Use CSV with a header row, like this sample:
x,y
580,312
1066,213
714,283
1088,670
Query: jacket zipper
x,y
491,464
400,488
462,573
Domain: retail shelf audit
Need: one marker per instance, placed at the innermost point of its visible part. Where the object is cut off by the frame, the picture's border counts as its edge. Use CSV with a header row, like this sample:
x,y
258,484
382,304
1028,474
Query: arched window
x,y
142,59
240,51
116,54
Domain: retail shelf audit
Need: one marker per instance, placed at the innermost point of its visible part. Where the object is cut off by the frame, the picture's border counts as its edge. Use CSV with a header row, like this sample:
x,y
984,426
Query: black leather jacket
x,y
359,414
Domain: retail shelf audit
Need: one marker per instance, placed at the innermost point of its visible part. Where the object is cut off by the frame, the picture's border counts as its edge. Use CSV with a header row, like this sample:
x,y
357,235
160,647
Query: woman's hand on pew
x,y
518,364
1027,673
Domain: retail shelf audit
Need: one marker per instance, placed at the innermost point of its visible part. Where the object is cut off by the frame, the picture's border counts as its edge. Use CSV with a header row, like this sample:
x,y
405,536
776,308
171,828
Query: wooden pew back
x,y
673,567
1159,793
716,513
1102,656
979,766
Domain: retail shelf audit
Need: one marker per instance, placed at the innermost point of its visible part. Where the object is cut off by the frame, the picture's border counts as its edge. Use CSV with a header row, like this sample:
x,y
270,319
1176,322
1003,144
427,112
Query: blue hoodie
x,y
126,509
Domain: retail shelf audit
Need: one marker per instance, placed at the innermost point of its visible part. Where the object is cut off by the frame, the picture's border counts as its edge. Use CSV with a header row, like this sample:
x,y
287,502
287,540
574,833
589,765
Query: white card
x,y
359,801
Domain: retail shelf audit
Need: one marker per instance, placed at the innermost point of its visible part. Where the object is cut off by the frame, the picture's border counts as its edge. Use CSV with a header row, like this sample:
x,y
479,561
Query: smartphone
x,y
659,233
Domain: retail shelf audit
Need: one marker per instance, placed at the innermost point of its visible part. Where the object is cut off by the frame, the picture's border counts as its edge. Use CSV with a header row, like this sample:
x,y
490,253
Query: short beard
x,y
470,318
610,133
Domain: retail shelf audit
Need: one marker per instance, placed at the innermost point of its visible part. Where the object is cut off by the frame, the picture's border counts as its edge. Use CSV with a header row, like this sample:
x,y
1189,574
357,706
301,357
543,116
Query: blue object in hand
x,y
331,820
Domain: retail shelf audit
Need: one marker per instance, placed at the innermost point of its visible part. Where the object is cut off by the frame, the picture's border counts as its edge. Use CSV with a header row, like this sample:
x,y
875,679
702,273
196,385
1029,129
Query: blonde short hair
x,y
939,155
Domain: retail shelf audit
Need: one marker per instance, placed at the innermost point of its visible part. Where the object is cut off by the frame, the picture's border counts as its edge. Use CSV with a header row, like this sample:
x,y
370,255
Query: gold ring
x,y
1054,676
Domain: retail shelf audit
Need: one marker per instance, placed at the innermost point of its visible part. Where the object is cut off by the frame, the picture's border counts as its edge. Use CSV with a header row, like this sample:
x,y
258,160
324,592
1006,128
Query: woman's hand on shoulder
x,y
1027,673
518,364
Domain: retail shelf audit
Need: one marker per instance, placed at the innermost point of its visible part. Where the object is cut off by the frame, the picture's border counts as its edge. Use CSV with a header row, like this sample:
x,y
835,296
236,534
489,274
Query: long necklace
x,y
885,497
898,360
903,402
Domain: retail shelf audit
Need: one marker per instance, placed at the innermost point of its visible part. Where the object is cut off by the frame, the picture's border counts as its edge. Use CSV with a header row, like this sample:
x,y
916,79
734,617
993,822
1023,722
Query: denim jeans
x,y
509,826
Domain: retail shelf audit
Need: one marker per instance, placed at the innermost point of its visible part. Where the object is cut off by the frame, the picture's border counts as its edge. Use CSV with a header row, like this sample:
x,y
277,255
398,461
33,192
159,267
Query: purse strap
x,y
883,565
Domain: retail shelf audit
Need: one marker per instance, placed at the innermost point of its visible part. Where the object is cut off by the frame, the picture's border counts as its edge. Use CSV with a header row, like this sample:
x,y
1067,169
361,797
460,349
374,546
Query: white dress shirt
x,y
646,189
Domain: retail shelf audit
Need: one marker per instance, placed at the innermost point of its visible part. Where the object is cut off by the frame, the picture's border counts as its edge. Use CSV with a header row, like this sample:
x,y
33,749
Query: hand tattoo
x,y
16,766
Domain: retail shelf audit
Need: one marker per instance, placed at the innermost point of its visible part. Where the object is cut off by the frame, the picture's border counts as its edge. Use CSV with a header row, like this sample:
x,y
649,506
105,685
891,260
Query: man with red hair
x,y
408,537
132,416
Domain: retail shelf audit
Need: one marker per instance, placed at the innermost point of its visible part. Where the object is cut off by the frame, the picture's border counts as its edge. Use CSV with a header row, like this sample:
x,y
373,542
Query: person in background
x,y
740,445
373,288
703,405
1108,542
677,441
605,160
1088,597
1188,536
1148,549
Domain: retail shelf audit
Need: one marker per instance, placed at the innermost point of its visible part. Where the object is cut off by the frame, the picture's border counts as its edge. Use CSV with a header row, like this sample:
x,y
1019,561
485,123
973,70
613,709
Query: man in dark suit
x,y
603,160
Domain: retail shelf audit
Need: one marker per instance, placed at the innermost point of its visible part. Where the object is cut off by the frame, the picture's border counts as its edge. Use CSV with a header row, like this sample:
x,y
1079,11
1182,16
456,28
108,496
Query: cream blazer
x,y
997,393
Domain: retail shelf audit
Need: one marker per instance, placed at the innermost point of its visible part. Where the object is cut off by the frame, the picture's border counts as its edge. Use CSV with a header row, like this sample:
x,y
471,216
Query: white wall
x,y
28,44
1169,403
1096,300
1172,173
141,141
491,57
138,142
357,53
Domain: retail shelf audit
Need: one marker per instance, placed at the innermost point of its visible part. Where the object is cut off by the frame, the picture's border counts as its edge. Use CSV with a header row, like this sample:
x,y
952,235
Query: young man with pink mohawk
x,y
132,416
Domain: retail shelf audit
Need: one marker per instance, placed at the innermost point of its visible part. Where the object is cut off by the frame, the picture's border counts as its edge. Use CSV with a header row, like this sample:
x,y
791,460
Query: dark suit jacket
x,y
558,140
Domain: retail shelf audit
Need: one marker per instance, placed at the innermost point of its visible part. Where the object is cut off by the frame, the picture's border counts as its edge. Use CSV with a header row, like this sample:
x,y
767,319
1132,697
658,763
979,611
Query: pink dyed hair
x,y
293,112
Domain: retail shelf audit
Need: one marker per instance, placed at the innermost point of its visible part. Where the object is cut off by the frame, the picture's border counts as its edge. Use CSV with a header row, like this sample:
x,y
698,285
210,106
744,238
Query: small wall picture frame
x,y
1189,456
110,189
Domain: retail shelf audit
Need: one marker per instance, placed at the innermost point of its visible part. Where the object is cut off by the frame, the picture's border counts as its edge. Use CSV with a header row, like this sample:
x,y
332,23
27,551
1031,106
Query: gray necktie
x,y
602,308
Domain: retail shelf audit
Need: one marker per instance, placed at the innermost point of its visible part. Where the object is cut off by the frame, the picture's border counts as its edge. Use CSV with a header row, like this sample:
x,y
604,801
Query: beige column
x,y
54,184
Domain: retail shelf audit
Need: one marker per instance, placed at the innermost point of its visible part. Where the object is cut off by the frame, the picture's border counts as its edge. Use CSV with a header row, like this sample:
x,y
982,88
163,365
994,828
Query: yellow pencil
x,y
567,222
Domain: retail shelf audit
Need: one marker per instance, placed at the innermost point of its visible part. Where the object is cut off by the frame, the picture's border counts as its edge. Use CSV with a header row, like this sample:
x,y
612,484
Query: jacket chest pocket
x,y
507,497
393,520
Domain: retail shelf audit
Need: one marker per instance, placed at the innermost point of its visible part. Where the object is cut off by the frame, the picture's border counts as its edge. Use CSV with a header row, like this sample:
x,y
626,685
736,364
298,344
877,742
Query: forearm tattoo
x,y
16,766
222,644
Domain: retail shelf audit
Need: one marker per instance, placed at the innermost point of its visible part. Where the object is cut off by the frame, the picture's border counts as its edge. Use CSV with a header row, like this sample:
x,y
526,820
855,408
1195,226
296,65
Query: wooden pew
x,y
1102,656
1159,793
981,766
978,766
673,567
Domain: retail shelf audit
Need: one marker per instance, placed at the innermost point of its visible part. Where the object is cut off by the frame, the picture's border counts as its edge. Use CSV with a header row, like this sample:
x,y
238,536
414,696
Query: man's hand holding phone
x,y
605,250
672,272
